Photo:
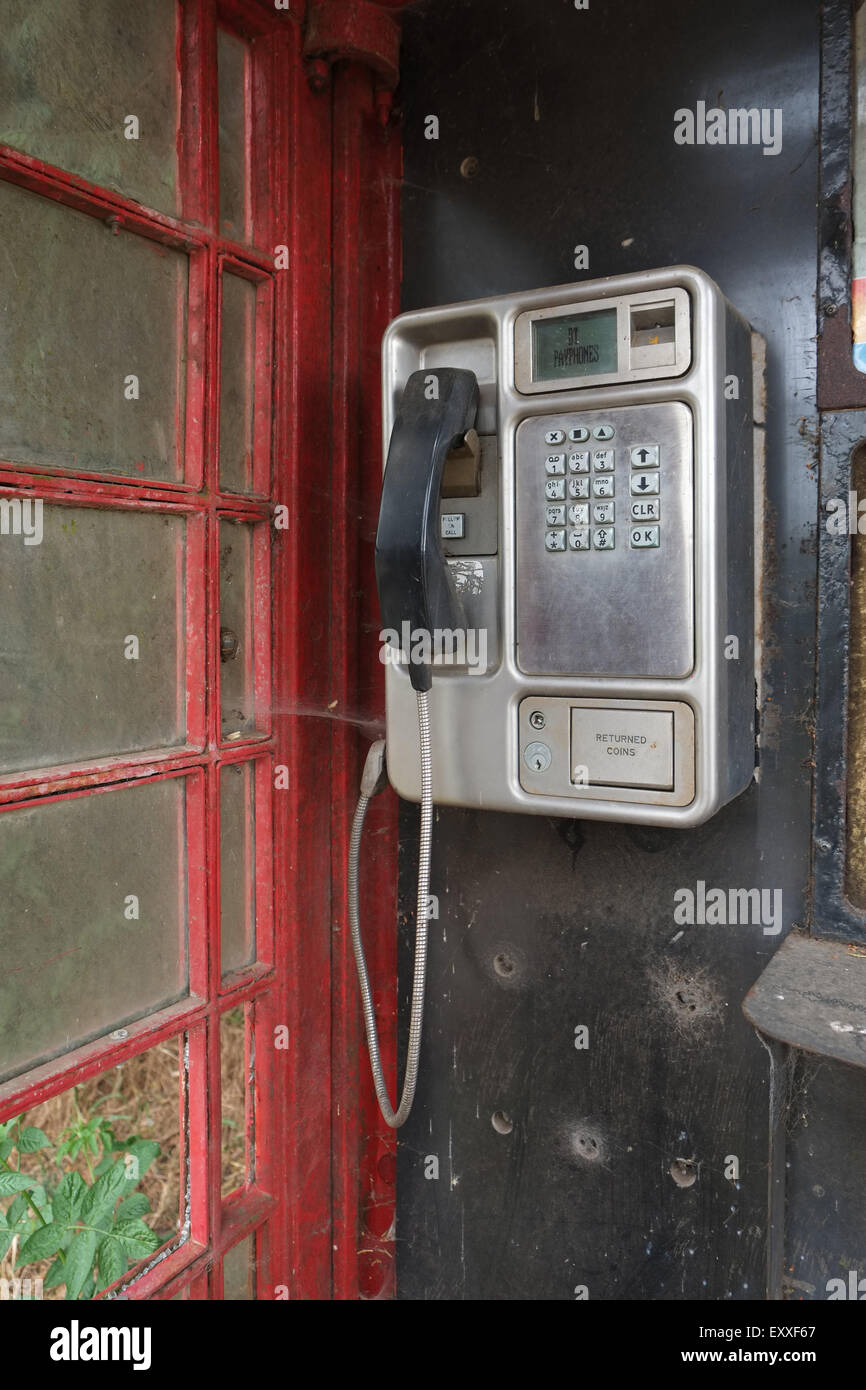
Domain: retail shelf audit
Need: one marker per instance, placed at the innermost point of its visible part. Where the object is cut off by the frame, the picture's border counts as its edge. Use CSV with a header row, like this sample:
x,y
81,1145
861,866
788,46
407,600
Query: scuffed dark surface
x,y
570,116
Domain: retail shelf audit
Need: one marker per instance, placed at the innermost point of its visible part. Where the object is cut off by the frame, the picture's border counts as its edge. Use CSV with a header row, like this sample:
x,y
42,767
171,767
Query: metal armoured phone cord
x,y
373,779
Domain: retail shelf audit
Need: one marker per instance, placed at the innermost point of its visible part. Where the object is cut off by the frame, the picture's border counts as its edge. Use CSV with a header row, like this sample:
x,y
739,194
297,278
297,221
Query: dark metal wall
x,y
614,1176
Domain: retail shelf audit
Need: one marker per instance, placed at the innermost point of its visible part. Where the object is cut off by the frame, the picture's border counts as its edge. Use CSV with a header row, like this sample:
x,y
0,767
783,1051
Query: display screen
x,y
574,345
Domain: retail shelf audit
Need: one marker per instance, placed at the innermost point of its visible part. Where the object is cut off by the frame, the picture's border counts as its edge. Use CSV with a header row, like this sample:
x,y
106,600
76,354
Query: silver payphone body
x,y
598,533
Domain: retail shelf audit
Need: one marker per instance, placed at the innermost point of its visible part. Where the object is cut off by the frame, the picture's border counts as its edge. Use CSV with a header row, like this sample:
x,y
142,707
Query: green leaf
x,y
71,1191
17,1208
56,1275
136,1239
144,1151
112,1263
15,1182
6,1148
6,1239
104,1193
45,1241
131,1208
31,1139
88,1288
103,1165
79,1262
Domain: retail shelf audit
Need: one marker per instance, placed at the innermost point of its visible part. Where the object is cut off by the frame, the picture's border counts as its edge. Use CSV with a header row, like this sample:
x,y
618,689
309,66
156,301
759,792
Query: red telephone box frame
x,y
325,168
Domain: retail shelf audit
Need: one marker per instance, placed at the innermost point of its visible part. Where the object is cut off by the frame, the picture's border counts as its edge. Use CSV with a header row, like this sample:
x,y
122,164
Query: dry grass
x,y
141,1097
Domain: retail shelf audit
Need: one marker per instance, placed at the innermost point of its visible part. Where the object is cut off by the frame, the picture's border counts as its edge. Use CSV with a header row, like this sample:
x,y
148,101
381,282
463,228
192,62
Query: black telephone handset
x,y
436,410
416,595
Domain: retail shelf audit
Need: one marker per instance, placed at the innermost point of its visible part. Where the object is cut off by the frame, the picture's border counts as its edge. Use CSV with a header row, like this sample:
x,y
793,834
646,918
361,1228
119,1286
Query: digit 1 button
x,y
537,757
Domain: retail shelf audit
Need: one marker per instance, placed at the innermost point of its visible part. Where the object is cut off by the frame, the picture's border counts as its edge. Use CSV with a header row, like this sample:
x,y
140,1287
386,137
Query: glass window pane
x,y
91,629
237,866
237,691
127,1116
92,343
239,1271
236,384
232,60
73,73
93,926
234,1102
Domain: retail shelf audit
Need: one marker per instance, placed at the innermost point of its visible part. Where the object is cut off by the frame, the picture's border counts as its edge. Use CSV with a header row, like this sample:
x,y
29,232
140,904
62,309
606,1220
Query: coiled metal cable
x,y
369,786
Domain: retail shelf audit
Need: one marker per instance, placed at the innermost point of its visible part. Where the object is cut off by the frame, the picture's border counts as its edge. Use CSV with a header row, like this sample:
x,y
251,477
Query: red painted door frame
x,y
325,171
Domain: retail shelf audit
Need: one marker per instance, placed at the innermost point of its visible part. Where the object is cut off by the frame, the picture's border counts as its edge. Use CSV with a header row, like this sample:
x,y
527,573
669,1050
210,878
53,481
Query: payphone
x,y
565,554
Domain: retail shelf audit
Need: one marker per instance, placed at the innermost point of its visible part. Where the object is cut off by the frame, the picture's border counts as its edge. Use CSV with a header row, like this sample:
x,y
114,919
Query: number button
x,y
555,463
578,514
554,436
578,462
555,540
603,538
602,460
578,487
602,487
554,489
579,540
603,513
555,516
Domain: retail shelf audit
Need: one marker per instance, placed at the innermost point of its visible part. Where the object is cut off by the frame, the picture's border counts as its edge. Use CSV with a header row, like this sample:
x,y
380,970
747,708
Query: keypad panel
x,y
604,498
640,471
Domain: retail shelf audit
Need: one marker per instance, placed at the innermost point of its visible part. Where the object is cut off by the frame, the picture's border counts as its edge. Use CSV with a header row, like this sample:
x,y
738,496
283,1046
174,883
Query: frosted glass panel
x,y
92,343
72,73
239,1271
236,384
231,57
91,630
92,928
236,615
237,866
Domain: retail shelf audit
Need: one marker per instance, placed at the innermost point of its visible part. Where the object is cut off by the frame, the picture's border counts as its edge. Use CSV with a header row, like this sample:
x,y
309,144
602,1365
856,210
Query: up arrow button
x,y
645,456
